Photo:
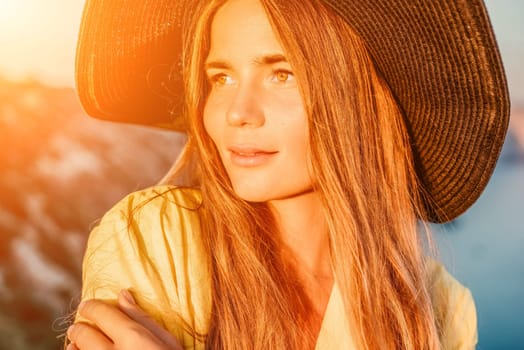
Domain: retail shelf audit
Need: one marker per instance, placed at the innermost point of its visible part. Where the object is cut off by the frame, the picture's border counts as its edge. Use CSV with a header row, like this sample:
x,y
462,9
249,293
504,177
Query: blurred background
x,y
60,171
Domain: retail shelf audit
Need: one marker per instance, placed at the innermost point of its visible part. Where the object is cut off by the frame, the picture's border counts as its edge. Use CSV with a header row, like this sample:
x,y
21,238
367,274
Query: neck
x,y
301,222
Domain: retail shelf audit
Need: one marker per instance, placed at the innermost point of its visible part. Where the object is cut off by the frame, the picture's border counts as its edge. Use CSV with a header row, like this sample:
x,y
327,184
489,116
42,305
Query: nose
x,y
246,109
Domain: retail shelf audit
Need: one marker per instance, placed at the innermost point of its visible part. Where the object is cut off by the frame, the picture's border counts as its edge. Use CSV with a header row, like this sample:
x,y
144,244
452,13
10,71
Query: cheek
x,y
210,122
296,138
301,147
298,134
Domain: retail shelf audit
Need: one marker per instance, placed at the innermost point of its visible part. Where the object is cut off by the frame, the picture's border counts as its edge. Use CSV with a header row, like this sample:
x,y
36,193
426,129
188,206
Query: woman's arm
x,y
122,326
148,244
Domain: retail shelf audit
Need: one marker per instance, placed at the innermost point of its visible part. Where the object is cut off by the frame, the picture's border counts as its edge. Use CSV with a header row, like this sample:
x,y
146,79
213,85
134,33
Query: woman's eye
x,y
282,76
221,80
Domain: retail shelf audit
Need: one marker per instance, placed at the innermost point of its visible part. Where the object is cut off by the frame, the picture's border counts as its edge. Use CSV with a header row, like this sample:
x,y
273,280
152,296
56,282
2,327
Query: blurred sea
x,y
484,248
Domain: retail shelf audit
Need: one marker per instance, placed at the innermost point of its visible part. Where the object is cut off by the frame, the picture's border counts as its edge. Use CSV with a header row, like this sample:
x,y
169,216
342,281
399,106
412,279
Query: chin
x,y
257,194
251,195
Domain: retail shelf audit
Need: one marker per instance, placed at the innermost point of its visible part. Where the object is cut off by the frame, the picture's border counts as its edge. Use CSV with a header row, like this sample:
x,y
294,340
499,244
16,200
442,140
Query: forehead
x,y
242,25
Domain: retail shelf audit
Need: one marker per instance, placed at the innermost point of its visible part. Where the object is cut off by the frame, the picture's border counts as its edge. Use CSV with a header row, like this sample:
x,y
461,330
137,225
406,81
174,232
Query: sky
x,y
38,38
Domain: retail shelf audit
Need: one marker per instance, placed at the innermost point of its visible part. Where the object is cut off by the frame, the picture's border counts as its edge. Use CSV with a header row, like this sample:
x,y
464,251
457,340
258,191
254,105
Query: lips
x,y
249,156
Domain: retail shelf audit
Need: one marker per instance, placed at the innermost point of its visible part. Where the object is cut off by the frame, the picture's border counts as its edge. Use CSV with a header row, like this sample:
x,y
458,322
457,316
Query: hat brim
x,y
440,59
126,61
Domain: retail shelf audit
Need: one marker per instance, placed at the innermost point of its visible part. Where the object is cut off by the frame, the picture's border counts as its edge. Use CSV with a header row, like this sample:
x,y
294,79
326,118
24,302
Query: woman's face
x,y
254,112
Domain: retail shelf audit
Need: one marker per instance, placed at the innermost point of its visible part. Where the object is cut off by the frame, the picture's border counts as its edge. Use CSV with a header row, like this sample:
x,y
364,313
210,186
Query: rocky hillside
x,y
59,172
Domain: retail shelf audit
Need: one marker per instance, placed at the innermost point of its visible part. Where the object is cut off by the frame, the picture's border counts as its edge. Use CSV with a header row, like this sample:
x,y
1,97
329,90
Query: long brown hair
x,y
362,169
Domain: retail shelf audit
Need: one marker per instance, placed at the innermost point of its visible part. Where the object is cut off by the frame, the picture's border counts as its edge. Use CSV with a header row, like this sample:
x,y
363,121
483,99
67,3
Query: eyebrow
x,y
259,61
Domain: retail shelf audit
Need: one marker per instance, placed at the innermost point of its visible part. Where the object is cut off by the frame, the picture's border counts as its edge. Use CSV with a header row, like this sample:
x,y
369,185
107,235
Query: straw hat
x,y
439,57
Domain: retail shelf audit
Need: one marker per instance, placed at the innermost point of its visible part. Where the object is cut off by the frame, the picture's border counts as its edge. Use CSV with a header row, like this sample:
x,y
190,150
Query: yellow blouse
x,y
150,243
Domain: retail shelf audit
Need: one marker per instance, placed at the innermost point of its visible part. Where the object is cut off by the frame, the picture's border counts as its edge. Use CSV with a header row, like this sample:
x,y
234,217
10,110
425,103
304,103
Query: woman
x,y
319,132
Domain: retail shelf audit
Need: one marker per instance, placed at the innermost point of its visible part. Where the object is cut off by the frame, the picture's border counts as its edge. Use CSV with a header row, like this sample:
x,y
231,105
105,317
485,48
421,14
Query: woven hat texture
x,y
439,57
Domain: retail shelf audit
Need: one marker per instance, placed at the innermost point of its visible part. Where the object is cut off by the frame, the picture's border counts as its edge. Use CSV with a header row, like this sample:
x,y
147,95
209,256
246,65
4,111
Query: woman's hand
x,y
120,327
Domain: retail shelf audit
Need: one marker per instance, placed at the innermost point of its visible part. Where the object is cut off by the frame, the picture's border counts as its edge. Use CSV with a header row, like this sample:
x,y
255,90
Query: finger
x,y
127,303
110,319
85,336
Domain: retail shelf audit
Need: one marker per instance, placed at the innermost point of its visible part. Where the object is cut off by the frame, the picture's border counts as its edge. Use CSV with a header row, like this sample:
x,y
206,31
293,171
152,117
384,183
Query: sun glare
x,y
38,38
10,10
